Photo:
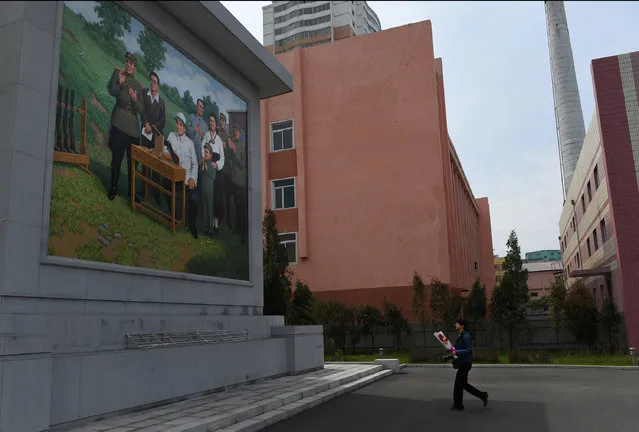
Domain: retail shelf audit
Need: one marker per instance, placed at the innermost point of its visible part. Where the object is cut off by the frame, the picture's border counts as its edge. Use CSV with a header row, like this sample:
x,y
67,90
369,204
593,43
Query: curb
x,y
523,366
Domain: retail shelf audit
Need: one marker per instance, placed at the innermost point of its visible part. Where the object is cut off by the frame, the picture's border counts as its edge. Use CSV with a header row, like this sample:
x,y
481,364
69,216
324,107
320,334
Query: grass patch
x,y
526,357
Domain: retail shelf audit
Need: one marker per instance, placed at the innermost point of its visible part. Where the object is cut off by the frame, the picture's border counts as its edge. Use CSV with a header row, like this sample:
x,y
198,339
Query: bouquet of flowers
x,y
441,337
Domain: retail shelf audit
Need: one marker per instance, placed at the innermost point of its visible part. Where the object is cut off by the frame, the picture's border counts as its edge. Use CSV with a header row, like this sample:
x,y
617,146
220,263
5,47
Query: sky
x,y
178,71
499,95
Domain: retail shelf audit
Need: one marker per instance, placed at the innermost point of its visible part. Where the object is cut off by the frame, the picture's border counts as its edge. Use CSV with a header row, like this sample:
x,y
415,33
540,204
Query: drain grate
x,y
161,340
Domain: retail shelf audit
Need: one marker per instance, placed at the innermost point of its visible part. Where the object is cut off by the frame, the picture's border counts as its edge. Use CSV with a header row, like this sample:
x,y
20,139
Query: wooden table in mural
x,y
150,161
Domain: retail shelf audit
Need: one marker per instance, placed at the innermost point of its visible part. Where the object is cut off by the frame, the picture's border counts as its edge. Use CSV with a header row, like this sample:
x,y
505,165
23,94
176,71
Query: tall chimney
x,y
568,114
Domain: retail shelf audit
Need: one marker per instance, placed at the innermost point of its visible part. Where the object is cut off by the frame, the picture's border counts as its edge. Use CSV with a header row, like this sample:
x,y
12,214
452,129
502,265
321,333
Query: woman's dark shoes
x,y
457,408
485,398
112,193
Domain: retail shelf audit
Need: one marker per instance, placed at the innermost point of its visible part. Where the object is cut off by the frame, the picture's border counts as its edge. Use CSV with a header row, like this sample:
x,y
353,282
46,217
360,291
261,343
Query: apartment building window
x,y
602,229
574,225
583,204
595,239
589,192
578,260
302,35
300,12
595,173
282,135
588,246
302,23
289,241
284,193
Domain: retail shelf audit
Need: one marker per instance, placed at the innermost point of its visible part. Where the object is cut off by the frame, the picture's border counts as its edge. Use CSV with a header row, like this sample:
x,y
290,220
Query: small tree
x,y
556,304
419,302
581,316
395,322
439,301
509,299
372,320
454,310
332,316
277,282
302,305
611,321
353,322
476,303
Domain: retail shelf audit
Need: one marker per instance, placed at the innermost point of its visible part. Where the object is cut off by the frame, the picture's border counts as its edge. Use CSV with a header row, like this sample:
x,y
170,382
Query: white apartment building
x,y
291,24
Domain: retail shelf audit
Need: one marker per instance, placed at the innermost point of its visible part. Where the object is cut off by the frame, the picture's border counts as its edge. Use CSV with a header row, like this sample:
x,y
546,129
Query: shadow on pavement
x,y
353,412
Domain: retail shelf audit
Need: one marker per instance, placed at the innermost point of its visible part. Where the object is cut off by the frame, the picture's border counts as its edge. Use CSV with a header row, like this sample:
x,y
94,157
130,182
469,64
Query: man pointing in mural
x,y
125,127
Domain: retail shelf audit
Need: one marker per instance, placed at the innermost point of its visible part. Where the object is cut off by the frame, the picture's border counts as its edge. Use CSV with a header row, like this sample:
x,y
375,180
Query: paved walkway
x,y
521,400
248,408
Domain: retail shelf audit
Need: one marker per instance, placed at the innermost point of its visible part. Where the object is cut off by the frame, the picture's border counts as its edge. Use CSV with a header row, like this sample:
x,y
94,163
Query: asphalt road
x,y
521,400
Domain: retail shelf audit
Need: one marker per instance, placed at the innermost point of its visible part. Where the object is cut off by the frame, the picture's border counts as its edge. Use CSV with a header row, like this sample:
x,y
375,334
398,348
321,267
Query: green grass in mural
x,y
81,213
79,204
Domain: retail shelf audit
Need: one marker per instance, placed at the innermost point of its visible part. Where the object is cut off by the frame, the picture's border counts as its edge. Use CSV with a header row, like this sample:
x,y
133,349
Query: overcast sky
x,y
499,95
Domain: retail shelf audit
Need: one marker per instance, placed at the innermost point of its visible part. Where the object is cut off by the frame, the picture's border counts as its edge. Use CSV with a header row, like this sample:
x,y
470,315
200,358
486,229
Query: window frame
x,y
273,194
272,141
290,241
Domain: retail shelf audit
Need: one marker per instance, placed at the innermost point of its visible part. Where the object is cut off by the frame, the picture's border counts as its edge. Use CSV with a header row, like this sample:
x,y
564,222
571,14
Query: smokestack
x,y
571,130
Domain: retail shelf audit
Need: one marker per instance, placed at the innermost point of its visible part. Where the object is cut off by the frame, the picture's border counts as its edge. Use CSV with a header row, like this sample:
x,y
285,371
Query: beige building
x,y
291,24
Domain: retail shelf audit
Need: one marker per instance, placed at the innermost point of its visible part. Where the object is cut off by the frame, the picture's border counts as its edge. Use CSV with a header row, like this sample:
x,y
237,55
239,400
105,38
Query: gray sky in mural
x,y
499,95
178,71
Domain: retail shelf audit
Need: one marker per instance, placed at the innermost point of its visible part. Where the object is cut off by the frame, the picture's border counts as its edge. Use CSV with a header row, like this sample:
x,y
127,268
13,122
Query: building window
x,y
574,226
578,260
595,239
284,193
282,135
583,204
588,246
289,241
602,229
589,192
534,294
596,176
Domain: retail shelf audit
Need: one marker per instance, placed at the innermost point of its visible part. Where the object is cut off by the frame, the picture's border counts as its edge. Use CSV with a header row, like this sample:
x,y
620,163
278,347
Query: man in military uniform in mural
x,y
223,182
125,127
239,182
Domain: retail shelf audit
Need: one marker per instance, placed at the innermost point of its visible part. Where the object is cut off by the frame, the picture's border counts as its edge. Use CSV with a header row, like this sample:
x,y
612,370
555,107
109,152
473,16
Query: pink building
x,y
363,177
541,276
599,223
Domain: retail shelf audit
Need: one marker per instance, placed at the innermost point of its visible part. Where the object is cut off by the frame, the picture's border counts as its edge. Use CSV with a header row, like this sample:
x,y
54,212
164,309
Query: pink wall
x,y
540,282
487,263
380,191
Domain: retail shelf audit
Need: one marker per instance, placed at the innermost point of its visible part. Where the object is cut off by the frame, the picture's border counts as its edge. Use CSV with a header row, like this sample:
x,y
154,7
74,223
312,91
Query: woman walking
x,y
463,349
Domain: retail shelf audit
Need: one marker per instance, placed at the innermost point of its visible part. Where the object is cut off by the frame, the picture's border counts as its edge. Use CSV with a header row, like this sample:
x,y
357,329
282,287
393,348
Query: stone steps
x,y
248,408
271,417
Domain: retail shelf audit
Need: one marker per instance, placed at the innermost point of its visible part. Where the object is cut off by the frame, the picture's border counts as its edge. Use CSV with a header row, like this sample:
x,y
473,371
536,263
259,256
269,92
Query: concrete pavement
x,y
521,400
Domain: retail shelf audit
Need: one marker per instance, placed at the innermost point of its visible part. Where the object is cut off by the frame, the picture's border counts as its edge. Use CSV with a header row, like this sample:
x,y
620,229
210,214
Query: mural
x,y
150,160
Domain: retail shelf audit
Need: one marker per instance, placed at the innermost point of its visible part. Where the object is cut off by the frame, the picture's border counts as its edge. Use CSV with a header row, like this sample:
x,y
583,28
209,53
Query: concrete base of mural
x,y
44,390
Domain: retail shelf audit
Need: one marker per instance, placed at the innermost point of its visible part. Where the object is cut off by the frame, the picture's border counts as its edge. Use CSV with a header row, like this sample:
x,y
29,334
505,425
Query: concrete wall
x,y
63,322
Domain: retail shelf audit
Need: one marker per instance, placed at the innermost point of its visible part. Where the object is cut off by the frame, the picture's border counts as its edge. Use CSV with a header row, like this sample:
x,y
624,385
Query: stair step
x,y
269,418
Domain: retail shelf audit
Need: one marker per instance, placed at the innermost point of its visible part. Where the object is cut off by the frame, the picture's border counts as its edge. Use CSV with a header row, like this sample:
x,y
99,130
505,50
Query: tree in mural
x,y
114,20
153,49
